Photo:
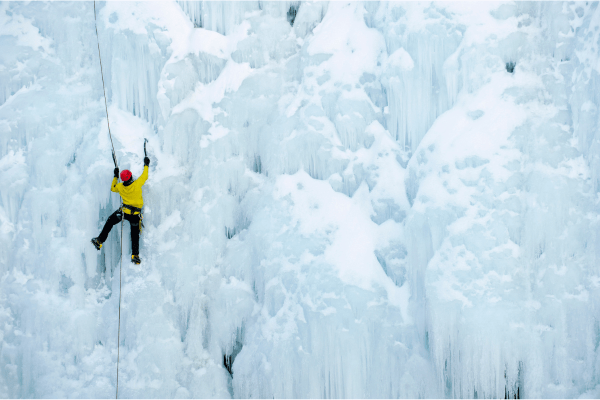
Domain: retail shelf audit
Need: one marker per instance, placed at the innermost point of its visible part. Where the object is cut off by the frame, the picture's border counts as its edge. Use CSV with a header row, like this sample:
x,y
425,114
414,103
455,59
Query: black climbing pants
x,y
134,221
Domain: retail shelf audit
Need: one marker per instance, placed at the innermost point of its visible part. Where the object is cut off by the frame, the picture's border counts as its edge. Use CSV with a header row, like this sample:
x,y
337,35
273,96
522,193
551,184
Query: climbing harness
x,y
116,166
132,210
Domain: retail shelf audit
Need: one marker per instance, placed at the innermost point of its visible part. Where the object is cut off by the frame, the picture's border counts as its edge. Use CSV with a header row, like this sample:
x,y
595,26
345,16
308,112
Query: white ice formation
x,y
345,199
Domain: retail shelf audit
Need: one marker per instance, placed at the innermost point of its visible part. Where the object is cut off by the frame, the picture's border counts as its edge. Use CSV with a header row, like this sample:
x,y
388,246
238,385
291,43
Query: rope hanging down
x,y
116,166
119,334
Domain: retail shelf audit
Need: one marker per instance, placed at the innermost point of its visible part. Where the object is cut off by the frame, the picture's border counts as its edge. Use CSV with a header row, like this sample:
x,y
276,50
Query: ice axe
x,y
145,153
115,158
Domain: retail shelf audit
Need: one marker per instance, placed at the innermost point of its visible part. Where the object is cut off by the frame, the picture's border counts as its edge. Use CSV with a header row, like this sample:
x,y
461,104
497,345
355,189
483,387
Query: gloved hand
x,y
146,161
116,172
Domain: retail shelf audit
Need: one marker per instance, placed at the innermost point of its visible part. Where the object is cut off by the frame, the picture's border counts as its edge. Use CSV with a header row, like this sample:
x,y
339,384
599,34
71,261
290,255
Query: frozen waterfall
x,y
346,199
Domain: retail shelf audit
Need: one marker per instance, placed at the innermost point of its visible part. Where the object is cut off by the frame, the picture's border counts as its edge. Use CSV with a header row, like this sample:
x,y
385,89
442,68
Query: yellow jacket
x,y
132,194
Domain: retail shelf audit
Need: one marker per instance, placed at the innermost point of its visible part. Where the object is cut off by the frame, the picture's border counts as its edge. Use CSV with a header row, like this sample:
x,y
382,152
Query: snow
x,y
400,59
23,30
354,48
365,203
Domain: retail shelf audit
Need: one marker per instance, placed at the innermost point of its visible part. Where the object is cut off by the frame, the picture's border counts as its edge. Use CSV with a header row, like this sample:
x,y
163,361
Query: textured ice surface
x,y
345,199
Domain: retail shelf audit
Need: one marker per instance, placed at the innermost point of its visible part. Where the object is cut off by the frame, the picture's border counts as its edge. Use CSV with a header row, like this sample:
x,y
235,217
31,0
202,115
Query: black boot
x,y
136,259
97,243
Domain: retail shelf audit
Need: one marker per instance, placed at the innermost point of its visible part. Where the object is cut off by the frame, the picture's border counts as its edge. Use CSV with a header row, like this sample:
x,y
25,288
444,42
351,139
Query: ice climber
x,y
131,193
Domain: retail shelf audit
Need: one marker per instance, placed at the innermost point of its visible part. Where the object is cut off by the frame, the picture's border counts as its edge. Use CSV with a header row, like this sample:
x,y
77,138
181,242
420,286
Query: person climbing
x,y
131,193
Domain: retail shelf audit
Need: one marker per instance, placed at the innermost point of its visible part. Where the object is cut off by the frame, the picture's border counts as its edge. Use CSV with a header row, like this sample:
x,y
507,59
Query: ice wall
x,y
345,199
504,259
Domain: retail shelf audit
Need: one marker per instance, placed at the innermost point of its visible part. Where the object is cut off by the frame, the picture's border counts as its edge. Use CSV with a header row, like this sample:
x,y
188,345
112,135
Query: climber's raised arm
x,y
113,186
142,179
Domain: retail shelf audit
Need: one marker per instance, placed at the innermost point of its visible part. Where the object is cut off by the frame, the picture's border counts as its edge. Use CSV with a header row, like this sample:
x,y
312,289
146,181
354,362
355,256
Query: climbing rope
x,y
104,89
119,334
116,166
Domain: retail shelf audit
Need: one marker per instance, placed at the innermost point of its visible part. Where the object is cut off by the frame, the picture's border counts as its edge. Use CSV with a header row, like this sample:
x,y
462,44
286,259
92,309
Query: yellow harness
x,y
127,209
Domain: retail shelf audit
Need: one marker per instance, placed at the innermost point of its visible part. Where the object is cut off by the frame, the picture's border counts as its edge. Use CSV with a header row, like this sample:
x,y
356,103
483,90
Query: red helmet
x,y
125,175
